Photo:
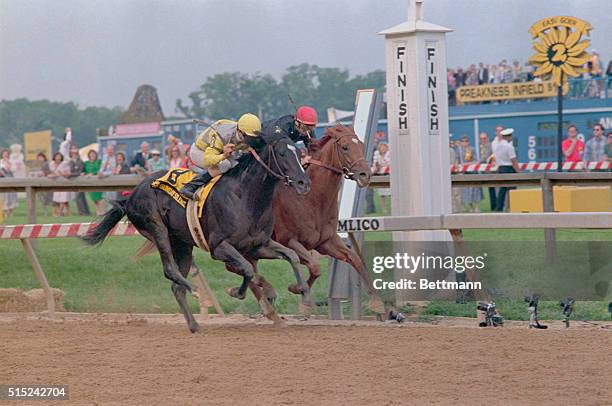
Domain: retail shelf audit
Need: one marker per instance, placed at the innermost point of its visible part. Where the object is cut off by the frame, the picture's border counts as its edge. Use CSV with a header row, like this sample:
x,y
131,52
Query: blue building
x,y
535,122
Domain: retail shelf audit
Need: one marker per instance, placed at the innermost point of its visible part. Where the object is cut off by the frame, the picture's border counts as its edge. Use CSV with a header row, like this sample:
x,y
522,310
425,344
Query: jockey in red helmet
x,y
299,127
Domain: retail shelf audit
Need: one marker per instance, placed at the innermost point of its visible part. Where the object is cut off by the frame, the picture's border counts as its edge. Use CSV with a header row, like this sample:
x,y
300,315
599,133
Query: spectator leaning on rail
x,y
218,148
139,162
60,168
108,162
594,148
92,168
572,147
156,162
381,165
77,168
121,168
10,199
46,198
505,156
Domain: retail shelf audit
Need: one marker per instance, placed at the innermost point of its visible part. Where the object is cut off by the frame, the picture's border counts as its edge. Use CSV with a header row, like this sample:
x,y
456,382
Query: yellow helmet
x,y
249,124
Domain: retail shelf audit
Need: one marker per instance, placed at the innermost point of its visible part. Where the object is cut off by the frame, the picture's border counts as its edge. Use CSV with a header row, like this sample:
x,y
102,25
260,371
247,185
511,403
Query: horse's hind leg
x,y
227,253
155,230
183,254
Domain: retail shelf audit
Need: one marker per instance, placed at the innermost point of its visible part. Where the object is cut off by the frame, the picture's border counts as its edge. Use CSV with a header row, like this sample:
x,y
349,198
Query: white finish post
x,y
417,103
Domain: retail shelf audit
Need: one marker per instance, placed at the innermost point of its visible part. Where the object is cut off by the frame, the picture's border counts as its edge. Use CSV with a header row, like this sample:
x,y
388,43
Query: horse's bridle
x,y
346,168
280,175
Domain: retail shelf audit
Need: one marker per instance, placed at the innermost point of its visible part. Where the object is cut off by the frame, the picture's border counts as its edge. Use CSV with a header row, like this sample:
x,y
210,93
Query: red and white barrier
x,y
18,232
534,166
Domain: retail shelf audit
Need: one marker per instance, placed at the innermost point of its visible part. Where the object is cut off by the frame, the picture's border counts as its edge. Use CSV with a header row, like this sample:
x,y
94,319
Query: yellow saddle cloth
x,y
175,179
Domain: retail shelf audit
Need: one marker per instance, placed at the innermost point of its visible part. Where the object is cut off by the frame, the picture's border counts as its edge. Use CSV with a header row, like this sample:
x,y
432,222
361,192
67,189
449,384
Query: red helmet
x,y
306,115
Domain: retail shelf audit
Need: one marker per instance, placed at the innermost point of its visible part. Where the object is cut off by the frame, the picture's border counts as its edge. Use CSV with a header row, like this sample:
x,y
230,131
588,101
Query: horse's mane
x,y
259,144
330,134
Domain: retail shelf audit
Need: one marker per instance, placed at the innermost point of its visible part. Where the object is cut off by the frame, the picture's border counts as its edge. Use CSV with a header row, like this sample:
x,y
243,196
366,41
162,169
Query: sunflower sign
x,y
559,51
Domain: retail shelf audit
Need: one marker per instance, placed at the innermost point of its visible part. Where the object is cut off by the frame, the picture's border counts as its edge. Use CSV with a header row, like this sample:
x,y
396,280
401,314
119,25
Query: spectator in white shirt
x,y
497,139
505,156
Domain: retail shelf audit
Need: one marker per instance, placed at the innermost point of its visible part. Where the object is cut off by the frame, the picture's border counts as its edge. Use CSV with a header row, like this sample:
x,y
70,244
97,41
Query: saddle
x,y
171,182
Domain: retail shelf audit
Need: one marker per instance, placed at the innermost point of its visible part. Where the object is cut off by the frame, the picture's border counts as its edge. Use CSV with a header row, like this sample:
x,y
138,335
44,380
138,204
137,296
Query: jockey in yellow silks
x,y
218,148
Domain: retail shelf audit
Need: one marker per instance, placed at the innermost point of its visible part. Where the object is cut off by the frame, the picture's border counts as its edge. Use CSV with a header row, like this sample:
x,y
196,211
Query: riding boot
x,y
189,190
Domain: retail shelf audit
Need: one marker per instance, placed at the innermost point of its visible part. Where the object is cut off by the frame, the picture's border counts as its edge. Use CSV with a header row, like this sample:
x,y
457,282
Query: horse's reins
x,y
281,175
346,170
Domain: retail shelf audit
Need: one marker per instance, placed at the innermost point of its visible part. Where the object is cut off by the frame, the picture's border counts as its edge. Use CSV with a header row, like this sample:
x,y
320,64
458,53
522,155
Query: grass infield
x,y
106,279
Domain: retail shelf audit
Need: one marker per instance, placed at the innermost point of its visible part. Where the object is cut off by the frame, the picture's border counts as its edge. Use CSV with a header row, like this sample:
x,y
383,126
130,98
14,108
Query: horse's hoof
x,y
279,323
195,328
307,301
295,289
304,309
234,292
270,294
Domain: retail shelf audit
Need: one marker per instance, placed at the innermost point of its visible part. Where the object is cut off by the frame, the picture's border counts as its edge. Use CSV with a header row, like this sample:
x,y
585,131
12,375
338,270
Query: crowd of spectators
x,y
505,72
598,148
66,162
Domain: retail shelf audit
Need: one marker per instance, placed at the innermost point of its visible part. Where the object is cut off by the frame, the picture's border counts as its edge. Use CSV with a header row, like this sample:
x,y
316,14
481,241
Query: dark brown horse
x,y
310,222
238,223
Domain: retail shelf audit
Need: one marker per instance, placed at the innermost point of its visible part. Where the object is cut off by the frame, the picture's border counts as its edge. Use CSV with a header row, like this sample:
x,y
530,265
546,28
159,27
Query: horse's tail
x,y
110,220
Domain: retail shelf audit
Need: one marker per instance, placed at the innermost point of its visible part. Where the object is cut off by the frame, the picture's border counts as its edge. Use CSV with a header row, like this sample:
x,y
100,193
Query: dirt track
x,y
138,361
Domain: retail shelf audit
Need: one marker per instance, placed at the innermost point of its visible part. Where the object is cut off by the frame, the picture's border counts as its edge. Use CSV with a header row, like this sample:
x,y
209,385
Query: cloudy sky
x,y
96,52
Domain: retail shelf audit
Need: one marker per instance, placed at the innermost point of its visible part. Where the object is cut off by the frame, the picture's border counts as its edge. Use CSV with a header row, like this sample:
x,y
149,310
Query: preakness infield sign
x,y
506,91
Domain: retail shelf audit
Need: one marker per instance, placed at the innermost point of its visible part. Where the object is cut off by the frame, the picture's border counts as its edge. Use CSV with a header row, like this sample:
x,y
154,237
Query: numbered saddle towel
x,y
171,183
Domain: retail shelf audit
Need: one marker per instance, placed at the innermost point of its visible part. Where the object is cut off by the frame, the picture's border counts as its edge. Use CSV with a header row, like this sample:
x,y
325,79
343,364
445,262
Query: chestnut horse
x,y
309,222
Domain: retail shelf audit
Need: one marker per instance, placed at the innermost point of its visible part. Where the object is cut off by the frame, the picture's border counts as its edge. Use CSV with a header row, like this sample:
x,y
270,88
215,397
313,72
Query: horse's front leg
x,y
253,285
336,248
306,258
263,292
274,250
258,282
227,253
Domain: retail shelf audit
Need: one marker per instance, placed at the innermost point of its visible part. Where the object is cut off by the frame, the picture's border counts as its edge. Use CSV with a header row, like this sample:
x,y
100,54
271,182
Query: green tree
x,y
228,95
22,115
231,94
